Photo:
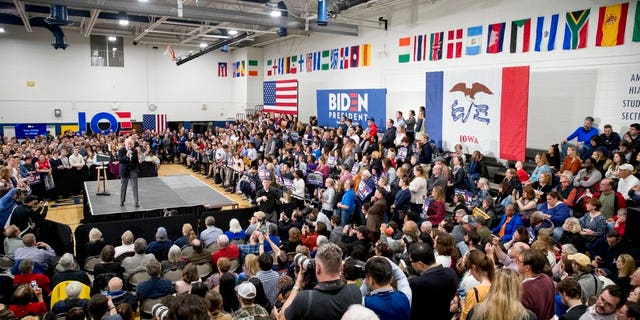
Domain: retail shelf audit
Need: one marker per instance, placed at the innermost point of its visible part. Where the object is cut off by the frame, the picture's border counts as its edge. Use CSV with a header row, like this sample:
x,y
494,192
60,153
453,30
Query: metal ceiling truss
x,y
215,15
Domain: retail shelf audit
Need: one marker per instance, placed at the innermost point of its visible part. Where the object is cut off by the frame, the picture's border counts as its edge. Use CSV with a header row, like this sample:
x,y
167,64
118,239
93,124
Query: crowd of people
x,y
385,225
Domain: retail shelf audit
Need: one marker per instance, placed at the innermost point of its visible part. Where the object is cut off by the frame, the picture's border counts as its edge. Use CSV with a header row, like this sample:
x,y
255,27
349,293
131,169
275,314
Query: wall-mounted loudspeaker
x,y
57,113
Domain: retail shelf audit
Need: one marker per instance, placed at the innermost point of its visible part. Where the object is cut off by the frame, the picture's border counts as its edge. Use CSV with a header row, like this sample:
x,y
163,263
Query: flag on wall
x,y
474,41
222,69
495,37
170,52
404,53
253,68
238,69
286,65
365,55
354,53
576,29
454,44
435,46
309,61
636,24
317,60
520,35
479,109
292,64
281,96
546,33
269,68
301,63
344,58
420,47
612,21
335,59
154,122
325,60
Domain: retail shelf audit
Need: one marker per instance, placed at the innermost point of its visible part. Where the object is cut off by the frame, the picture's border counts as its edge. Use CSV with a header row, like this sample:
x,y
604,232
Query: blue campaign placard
x,y
355,104
30,130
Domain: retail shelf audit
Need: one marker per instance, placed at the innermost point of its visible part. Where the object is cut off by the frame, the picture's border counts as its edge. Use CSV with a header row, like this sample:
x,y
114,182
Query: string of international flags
x,y
334,59
610,32
453,44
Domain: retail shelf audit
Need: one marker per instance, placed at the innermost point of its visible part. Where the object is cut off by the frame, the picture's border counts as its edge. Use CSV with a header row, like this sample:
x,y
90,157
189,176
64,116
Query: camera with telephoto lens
x,y
302,261
159,311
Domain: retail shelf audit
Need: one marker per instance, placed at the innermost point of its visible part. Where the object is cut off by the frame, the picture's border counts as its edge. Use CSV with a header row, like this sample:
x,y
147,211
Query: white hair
x,y
73,289
234,225
359,312
321,240
223,241
95,235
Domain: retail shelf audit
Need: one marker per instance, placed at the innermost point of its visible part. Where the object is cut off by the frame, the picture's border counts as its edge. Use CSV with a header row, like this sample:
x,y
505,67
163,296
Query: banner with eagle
x,y
484,110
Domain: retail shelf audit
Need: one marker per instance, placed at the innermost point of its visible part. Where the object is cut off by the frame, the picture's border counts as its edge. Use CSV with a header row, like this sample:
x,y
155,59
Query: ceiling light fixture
x,y
112,38
203,45
1,29
233,32
123,19
275,13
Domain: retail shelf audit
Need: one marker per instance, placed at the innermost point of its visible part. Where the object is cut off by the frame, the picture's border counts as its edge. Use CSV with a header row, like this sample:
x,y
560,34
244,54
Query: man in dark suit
x,y
128,158
571,296
435,284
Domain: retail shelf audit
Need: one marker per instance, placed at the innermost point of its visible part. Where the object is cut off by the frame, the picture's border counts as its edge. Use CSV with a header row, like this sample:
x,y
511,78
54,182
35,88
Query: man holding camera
x,y
330,298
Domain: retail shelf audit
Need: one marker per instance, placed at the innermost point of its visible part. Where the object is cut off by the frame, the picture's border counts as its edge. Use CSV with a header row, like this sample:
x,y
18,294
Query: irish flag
x,y
483,109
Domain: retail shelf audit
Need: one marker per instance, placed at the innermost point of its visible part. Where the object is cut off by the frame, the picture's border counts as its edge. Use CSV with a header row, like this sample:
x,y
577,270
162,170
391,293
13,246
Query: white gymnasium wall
x,y
64,79
565,85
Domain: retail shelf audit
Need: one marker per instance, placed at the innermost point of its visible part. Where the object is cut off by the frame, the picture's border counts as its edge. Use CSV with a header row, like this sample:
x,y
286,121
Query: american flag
x,y
154,122
281,96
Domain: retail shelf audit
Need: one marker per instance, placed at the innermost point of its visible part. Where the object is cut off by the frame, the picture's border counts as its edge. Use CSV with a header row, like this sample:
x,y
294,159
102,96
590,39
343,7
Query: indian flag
x,y
405,50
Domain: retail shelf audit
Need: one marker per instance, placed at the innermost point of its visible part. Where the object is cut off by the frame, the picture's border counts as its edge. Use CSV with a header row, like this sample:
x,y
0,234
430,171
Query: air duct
x,y
322,13
341,5
59,15
283,13
58,34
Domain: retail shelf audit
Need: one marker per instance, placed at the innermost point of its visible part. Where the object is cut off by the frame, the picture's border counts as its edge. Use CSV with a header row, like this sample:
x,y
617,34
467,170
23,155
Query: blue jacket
x,y
558,214
511,227
403,199
153,288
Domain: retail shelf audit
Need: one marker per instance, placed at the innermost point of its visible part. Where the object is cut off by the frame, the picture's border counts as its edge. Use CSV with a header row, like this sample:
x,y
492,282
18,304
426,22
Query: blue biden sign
x,y
355,104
